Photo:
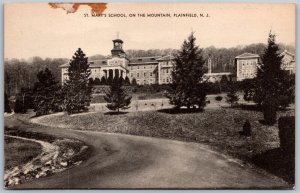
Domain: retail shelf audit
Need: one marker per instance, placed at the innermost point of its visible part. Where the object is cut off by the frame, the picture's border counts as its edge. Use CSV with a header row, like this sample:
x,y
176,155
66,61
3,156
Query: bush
x,y
218,98
247,128
269,111
286,127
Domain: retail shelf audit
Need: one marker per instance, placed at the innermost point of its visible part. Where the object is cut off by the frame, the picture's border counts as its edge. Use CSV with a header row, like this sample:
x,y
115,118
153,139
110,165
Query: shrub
x,y
286,127
218,98
247,128
269,111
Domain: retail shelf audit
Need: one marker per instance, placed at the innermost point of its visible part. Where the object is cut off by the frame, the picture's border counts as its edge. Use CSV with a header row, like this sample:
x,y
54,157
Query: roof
x,y
93,63
118,40
288,53
166,58
144,60
247,55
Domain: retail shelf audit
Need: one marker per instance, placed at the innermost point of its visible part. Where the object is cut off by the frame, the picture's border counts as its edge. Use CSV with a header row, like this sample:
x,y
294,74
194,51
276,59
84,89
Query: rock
x,y
77,163
48,163
64,164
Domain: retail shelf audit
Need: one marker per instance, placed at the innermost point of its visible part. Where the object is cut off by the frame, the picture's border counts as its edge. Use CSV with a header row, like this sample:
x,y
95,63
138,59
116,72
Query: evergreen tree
x,y
97,81
91,81
133,82
270,78
232,96
45,93
77,89
188,88
103,81
116,97
7,108
126,81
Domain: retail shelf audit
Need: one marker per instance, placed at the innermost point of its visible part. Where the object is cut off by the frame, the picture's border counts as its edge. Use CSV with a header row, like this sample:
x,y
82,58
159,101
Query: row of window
x,y
138,74
166,63
165,71
167,80
142,67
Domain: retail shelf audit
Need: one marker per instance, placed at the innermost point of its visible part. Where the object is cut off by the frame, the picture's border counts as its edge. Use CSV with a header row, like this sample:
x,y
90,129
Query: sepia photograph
x,y
149,95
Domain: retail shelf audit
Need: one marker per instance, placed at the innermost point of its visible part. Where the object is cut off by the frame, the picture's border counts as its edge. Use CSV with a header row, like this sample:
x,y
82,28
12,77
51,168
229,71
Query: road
x,y
125,161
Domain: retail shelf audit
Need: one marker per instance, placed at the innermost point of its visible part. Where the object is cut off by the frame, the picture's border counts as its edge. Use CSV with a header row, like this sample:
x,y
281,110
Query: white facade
x,y
246,66
288,62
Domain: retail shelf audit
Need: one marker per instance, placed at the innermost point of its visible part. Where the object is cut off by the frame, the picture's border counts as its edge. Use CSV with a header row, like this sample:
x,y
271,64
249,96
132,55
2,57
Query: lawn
x,y
24,151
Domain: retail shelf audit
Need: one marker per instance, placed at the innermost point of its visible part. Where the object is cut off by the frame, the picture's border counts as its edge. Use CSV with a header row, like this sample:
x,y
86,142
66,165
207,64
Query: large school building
x,y
157,69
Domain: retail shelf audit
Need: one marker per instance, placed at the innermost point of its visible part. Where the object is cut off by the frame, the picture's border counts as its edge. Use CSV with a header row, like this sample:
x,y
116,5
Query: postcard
x,y
149,95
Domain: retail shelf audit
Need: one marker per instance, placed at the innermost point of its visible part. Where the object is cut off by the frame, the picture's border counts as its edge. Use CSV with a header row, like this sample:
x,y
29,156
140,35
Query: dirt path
x,y
125,161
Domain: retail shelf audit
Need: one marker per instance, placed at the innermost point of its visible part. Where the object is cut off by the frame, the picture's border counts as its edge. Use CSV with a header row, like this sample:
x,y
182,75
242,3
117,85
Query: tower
x,y
117,49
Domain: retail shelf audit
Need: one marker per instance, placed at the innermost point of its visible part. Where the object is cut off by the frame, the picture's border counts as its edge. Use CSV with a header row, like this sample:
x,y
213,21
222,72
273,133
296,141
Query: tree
x,y
232,96
45,93
7,108
133,82
116,97
91,81
188,88
77,89
270,80
24,101
126,81
97,81
103,80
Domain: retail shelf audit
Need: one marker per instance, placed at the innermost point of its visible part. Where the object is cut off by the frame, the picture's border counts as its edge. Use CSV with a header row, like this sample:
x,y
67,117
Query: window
x,y
167,80
167,70
138,75
131,74
150,73
137,67
145,74
144,67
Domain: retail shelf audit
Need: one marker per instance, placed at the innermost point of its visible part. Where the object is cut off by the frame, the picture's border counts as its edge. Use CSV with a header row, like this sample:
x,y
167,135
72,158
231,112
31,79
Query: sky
x,y
36,29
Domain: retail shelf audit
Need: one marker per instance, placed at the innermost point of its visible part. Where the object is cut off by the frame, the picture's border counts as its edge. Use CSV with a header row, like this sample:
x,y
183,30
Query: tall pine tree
x,y
188,88
77,89
117,97
45,93
270,77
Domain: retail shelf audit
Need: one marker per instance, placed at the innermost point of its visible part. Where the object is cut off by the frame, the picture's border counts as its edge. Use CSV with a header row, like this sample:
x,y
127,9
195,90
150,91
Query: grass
x,y
218,128
18,151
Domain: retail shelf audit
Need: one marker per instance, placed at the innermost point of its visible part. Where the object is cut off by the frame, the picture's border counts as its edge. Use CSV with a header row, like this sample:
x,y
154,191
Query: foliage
x,y
20,73
7,108
24,101
126,81
116,97
286,127
133,82
46,93
91,81
271,81
188,88
103,81
247,128
97,81
232,96
77,90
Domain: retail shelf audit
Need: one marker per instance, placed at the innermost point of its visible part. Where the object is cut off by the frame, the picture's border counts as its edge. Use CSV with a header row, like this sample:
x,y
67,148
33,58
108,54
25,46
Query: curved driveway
x,y
125,161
